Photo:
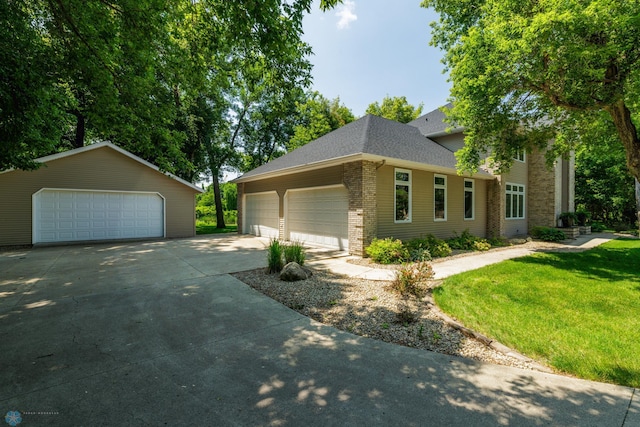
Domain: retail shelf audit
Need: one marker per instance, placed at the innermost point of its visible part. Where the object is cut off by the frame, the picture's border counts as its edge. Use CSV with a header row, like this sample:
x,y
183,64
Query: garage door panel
x,y
262,214
68,215
319,216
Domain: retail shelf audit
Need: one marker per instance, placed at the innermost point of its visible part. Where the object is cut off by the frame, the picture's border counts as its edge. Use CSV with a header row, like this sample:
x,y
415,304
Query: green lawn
x,y
208,228
576,312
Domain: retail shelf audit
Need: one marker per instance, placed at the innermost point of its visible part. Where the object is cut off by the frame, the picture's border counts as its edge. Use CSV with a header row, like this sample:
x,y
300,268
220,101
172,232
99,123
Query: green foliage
x,y
528,72
548,234
598,227
396,108
318,116
275,256
569,219
437,248
387,251
582,217
411,279
469,242
294,252
206,228
577,312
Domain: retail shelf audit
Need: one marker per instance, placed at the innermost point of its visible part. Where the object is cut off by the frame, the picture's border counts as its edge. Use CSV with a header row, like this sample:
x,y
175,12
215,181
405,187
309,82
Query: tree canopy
x,y
318,116
395,108
526,72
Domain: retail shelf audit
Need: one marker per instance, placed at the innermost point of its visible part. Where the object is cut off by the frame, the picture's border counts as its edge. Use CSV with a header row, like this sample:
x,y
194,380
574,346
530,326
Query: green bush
x,y
418,250
274,256
294,252
230,217
582,217
598,227
437,247
411,279
548,234
387,251
468,242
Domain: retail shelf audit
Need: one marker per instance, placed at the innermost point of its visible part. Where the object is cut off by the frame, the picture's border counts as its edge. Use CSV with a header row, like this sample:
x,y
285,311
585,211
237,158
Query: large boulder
x,y
292,272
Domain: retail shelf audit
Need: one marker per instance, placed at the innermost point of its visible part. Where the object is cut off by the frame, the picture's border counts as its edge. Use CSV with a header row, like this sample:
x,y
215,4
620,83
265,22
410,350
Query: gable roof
x,y
433,123
114,147
368,138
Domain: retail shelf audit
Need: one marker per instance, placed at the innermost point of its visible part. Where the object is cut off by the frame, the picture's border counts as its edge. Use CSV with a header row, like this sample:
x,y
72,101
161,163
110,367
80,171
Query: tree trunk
x,y
218,199
628,135
78,141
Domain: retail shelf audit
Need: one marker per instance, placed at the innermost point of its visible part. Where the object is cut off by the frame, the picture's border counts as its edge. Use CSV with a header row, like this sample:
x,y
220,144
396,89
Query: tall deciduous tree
x,y
527,71
318,116
395,108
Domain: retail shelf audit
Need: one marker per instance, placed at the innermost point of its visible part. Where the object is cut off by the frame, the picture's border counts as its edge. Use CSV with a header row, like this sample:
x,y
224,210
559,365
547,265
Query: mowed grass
x,y
576,312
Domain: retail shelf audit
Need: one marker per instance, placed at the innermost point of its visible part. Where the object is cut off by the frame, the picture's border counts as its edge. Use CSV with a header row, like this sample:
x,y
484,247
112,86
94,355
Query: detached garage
x,y
98,192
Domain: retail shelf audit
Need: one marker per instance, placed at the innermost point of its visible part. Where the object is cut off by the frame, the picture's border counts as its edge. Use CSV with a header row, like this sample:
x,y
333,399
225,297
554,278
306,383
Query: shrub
x,y
568,219
387,251
230,217
274,256
294,252
437,247
418,250
411,279
598,227
583,217
468,242
548,234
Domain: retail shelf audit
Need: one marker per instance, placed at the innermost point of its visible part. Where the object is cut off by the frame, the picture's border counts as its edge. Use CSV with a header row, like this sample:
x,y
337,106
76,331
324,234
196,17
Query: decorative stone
x,y
585,229
292,272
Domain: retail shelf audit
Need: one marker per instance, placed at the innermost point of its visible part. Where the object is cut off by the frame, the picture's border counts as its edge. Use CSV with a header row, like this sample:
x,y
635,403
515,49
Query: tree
x,y
318,116
604,186
396,108
526,72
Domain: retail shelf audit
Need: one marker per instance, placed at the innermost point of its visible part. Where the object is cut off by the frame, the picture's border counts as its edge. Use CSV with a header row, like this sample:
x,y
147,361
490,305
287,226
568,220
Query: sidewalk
x,y
338,263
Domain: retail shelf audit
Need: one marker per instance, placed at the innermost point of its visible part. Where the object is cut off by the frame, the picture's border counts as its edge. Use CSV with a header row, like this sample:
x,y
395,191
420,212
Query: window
x,y
469,208
515,201
402,195
520,156
439,198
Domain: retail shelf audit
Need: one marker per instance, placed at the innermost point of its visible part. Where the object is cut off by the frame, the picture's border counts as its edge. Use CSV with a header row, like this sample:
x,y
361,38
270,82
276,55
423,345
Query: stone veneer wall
x,y
495,208
360,181
240,206
541,192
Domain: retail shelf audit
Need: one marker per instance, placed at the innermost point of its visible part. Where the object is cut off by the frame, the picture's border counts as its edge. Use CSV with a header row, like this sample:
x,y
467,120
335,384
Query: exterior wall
x,y
360,181
99,169
543,197
517,175
422,216
453,142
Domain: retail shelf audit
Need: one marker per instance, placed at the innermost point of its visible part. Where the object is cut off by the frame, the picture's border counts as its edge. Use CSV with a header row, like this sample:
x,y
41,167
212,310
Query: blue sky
x,y
367,49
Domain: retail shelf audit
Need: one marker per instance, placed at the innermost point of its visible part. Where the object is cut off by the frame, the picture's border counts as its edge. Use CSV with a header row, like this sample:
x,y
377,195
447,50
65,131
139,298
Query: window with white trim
x,y
402,195
515,201
439,198
469,199
520,155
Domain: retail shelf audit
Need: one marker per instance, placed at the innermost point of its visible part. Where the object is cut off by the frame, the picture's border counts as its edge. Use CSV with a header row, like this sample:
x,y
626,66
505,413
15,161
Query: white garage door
x,y
70,215
261,214
319,216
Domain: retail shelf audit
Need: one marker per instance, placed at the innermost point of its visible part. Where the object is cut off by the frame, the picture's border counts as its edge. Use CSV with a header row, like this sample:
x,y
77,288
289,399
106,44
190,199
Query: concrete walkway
x,y
338,262
158,333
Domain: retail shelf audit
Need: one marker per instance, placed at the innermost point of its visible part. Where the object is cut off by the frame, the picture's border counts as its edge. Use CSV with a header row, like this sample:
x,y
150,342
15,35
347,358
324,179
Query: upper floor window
x,y
402,195
469,207
515,201
439,198
520,155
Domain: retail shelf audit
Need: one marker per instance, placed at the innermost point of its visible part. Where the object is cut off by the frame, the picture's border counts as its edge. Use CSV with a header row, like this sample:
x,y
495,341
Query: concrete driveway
x,y
157,333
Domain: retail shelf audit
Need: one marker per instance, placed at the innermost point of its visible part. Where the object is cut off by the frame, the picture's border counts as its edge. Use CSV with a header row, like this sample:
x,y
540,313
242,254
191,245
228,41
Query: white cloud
x,y
346,13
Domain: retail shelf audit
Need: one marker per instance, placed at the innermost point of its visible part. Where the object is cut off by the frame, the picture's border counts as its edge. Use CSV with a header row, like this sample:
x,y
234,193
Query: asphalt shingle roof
x,y
371,135
433,124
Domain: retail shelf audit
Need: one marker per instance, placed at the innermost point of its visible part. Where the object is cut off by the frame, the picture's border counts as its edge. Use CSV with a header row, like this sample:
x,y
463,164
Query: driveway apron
x,y
159,333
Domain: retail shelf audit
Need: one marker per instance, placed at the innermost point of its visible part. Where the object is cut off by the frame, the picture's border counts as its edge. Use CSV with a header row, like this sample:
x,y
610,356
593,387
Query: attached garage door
x,y
70,215
319,216
262,213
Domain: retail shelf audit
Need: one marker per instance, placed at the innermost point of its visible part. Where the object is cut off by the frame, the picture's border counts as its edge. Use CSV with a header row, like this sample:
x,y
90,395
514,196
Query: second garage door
x,y
78,215
318,216
262,214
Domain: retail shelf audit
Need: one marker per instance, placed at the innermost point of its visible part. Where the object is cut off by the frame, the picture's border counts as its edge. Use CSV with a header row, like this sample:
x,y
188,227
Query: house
x,y
379,178
93,193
